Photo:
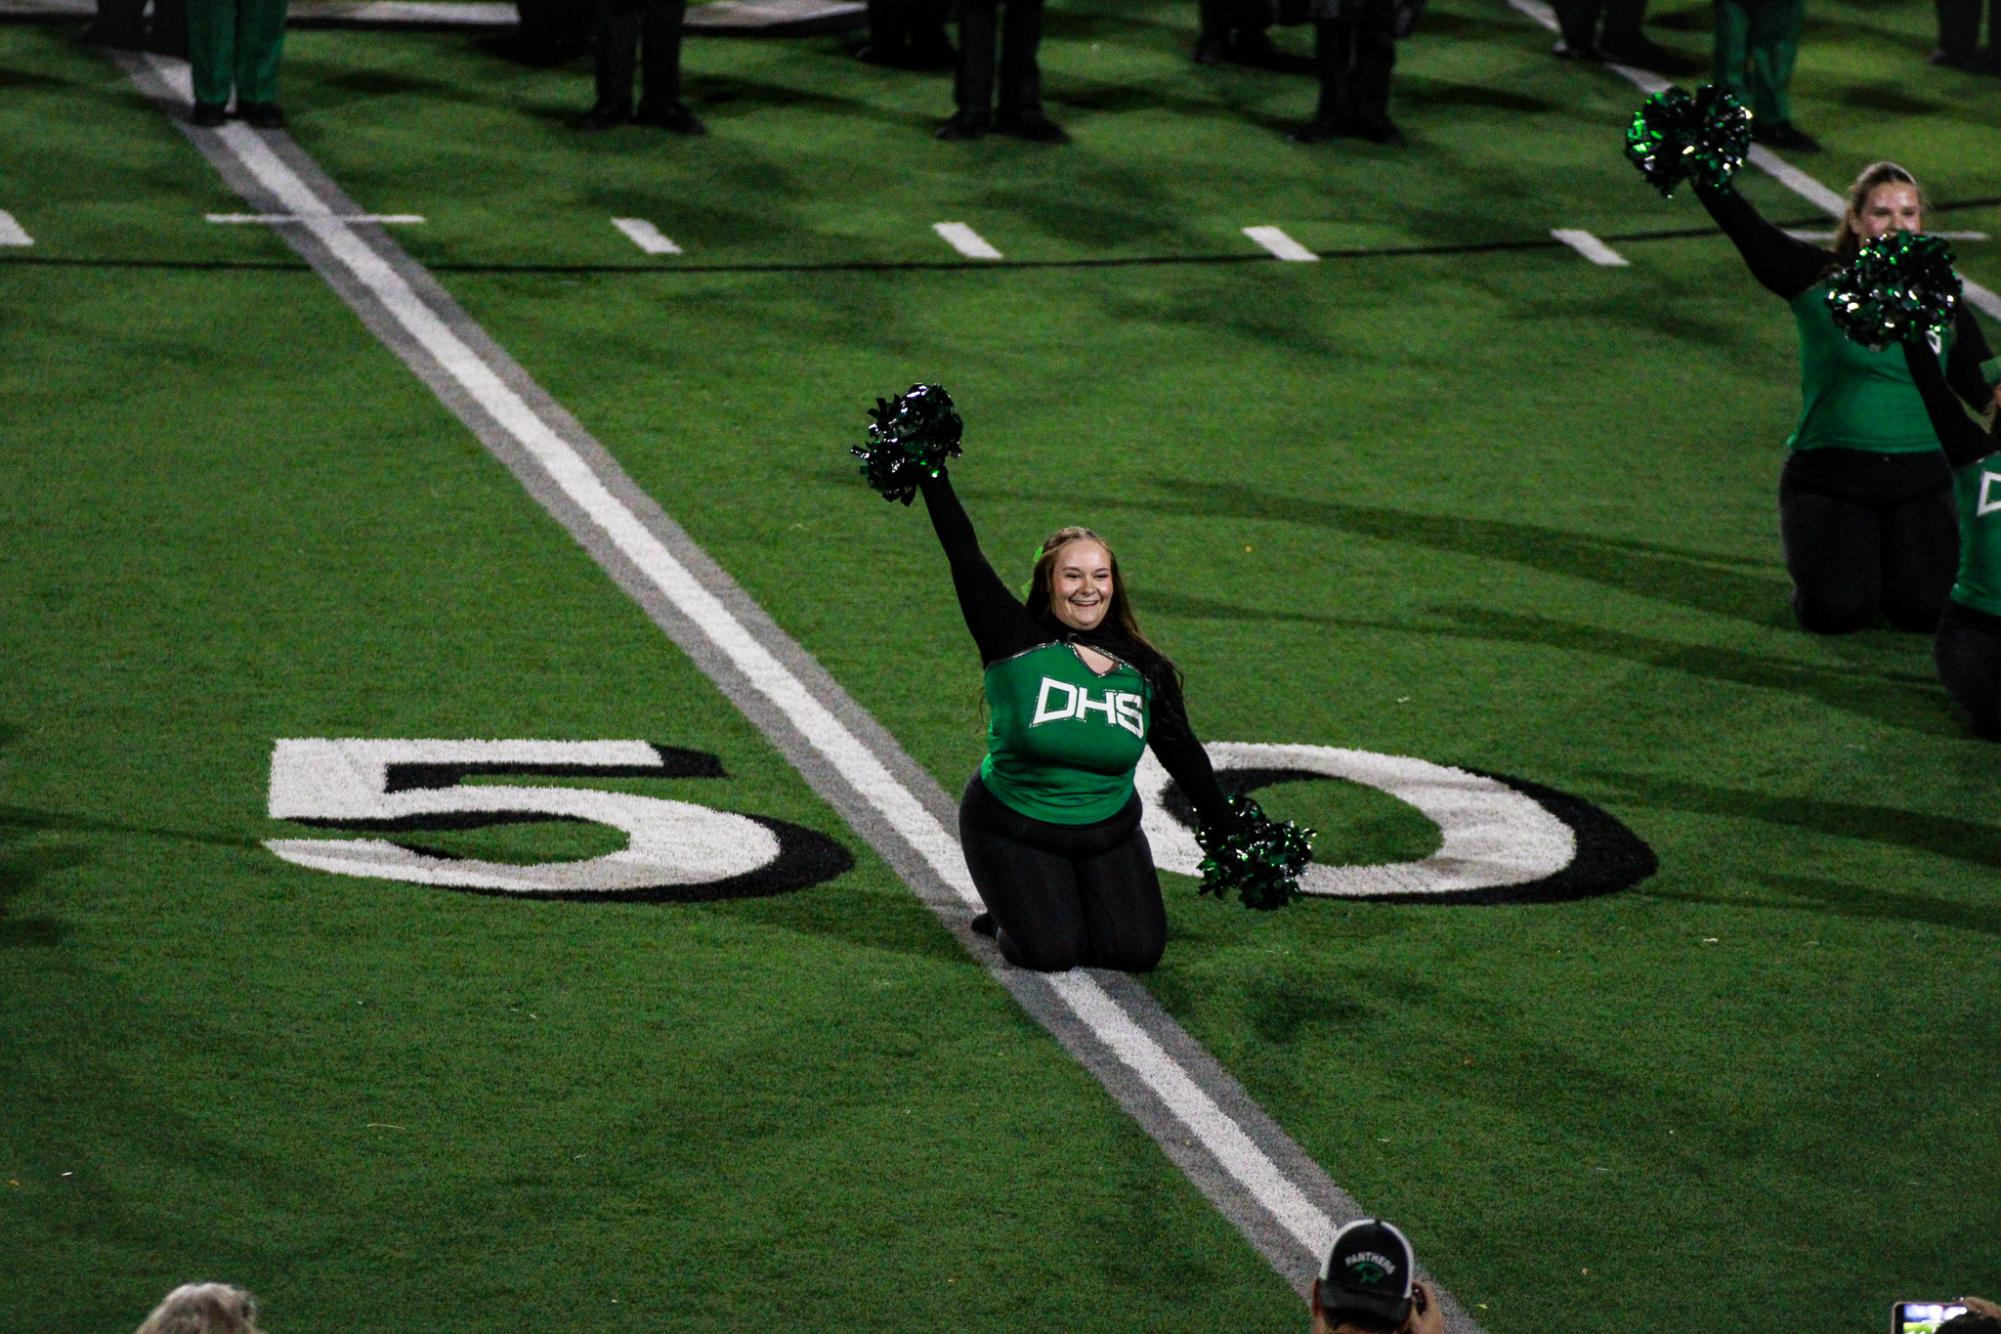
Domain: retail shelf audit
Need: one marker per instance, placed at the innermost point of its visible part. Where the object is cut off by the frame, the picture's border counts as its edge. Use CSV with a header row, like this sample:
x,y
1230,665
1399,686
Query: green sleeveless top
x,y
1854,397
1978,487
1062,741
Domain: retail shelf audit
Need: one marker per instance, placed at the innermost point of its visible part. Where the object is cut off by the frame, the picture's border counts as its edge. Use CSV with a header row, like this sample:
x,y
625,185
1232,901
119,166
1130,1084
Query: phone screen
x,y
1921,1317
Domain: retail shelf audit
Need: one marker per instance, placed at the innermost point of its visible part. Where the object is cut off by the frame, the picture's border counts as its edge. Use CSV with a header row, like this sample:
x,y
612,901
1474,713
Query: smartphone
x,y
1922,1317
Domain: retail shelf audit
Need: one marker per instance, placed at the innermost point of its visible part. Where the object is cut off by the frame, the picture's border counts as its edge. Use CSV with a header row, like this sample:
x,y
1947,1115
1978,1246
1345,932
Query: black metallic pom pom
x,y
1261,859
1676,137
1900,286
909,440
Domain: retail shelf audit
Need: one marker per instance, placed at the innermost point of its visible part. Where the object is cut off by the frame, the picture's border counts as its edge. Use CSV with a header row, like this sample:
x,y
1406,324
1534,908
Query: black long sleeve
x,y
1000,625
1962,364
1173,740
1783,265
1964,441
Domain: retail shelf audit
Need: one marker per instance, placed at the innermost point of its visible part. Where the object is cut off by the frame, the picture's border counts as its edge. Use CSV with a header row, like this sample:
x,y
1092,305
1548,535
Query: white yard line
x,y
646,236
1278,243
965,240
1824,237
12,232
1589,246
1764,159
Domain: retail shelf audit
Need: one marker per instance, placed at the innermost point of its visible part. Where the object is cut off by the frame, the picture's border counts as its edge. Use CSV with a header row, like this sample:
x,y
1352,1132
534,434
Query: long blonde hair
x,y
203,1308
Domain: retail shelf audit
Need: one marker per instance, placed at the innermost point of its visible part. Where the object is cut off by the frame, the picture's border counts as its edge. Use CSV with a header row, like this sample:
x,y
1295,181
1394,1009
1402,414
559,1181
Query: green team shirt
x,y
1854,397
1062,740
1978,486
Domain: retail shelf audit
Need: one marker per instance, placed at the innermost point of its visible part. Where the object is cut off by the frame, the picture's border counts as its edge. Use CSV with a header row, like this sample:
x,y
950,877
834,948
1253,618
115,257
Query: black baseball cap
x,y
1368,1272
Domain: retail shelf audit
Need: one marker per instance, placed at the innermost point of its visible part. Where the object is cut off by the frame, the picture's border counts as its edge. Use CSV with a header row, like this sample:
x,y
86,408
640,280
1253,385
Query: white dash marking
x,y
1276,241
1822,236
965,240
12,232
280,219
1589,246
646,236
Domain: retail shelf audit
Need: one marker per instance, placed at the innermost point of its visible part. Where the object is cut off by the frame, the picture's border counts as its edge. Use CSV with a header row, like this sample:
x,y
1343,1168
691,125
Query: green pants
x,y
235,44
1757,42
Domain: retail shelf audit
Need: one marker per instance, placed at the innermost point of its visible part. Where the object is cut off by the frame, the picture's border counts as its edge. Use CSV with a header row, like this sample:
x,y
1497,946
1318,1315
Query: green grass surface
x,y
1499,509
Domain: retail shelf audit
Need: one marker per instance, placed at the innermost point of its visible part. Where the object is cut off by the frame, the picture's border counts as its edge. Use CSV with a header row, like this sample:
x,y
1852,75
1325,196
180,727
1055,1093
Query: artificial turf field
x,y
1463,497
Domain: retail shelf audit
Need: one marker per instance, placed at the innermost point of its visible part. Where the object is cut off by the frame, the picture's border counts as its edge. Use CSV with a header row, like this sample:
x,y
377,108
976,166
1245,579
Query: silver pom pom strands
x,y
909,439
1702,137
1901,286
1260,860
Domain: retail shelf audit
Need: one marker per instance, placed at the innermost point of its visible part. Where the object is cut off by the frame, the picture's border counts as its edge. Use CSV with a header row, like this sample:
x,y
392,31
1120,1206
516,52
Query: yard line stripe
x,y
965,240
646,236
280,219
1589,246
1764,159
1821,236
12,232
1275,240
1201,1117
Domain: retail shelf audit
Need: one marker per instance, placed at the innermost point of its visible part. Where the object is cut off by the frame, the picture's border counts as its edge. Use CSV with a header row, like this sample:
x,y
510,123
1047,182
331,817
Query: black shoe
x,y
1785,134
1955,59
1379,130
209,115
1317,131
1640,53
961,127
1034,127
261,115
872,53
673,117
603,116
983,925
1565,51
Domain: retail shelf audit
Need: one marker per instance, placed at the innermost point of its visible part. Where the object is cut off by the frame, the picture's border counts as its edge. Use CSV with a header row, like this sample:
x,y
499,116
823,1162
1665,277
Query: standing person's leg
x,y
1968,653
1577,21
1123,912
1333,54
973,83
1732,50
1032,893
615,56
1958,32
661,103
1374,48
211,57
1920,558
1833,553
1021,76
260,41
1622,25
928,47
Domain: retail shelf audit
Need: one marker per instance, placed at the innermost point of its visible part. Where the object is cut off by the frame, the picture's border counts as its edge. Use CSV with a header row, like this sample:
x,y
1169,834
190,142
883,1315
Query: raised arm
x,y
1967,366
1783,265
1964,440
1000,624
1181,754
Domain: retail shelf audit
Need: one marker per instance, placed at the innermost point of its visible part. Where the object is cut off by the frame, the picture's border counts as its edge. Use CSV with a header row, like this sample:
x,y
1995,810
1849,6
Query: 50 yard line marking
x,y
1204,1121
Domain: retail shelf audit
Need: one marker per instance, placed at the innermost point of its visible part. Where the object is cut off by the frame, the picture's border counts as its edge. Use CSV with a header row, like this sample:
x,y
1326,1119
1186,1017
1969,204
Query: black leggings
x,y
1968,652
1064,895
1867,533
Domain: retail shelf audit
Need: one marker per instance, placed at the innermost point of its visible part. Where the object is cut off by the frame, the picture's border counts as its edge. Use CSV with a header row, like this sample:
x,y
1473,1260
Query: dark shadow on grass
x,y
1655,571
1833,898
1968,841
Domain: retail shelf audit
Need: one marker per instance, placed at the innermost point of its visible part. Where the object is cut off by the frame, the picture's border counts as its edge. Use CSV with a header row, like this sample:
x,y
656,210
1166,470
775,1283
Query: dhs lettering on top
x,y
1059,700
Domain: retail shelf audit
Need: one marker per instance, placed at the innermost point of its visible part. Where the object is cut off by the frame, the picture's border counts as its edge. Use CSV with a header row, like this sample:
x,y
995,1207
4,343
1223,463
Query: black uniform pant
x,y
1959,27
1579,22
1064,895
621,24
1968,653
1353,56
1867,533
1020,77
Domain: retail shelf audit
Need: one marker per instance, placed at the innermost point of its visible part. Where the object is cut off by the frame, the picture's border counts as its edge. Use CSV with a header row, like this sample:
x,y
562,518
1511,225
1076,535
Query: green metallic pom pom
x,y
909,440
1261,859
1901,286
1675,136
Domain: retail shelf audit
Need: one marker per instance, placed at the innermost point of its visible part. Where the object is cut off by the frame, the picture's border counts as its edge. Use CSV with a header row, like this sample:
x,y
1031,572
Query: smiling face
x,y
1080,584
1893,206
